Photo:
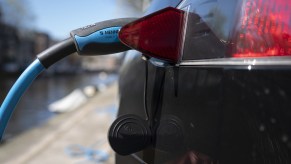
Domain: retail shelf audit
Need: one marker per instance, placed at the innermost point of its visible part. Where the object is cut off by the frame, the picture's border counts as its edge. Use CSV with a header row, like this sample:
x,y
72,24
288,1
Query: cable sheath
x,y
57,52
15,93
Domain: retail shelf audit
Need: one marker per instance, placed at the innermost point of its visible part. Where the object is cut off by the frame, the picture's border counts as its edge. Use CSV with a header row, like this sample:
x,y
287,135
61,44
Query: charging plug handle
x,y
97,39
100,38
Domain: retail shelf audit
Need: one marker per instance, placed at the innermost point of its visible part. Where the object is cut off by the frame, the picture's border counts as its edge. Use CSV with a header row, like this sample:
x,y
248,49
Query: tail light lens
x,y
157,35
263,29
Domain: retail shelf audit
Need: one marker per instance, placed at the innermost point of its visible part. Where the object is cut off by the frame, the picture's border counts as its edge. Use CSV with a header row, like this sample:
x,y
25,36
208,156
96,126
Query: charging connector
x,y
100,38
96,39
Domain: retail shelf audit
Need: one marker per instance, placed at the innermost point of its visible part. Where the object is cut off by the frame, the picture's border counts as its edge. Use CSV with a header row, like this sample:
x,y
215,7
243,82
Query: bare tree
x,y
17,13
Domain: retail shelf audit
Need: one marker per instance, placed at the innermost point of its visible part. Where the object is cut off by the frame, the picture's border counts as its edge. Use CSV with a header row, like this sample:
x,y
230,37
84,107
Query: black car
x,y
226,99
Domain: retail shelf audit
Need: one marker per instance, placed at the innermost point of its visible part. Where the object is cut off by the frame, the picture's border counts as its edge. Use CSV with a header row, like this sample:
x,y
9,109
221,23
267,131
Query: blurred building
x,y
0,36
18,48
42,42
8,42
26,50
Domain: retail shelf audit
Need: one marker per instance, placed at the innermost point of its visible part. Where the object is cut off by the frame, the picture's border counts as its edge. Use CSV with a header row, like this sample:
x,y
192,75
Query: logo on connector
x,y
110,32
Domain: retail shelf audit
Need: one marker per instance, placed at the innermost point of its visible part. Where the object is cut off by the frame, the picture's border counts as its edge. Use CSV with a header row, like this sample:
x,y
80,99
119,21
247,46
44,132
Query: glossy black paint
x,y
194,103
225,115
230,115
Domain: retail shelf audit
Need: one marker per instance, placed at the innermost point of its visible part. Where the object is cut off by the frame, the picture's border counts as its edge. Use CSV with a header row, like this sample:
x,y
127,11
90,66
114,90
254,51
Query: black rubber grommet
x,y
169,134
129,134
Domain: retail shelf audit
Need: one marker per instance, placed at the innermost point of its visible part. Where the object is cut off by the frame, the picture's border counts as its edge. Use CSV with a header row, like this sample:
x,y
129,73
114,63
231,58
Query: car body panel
x,y
226,110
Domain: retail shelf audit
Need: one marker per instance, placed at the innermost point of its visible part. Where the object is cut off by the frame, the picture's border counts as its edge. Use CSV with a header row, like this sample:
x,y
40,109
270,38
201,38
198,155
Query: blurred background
x,y
27,27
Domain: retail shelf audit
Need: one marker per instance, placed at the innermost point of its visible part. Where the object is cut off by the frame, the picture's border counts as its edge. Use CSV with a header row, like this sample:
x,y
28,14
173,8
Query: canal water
x,y
32,110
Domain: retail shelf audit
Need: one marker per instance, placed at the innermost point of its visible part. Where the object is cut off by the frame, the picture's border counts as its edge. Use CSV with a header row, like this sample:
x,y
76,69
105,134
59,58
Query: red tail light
x,y
158,35
264,29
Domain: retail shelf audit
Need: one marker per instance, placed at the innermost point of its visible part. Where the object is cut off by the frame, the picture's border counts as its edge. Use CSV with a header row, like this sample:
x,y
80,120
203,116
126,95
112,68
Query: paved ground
x,y
57,140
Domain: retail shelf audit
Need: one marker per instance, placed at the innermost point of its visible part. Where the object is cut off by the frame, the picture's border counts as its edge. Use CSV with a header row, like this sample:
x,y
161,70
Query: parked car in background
x,y
227,100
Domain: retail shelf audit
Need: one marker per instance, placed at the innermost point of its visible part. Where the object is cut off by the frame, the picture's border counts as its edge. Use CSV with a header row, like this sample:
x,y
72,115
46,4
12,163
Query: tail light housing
x,y
263,29
158,35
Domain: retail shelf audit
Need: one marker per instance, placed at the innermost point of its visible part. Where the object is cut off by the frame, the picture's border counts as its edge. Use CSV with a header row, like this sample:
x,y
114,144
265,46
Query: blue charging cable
x,y
44,60
17,91
96,39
